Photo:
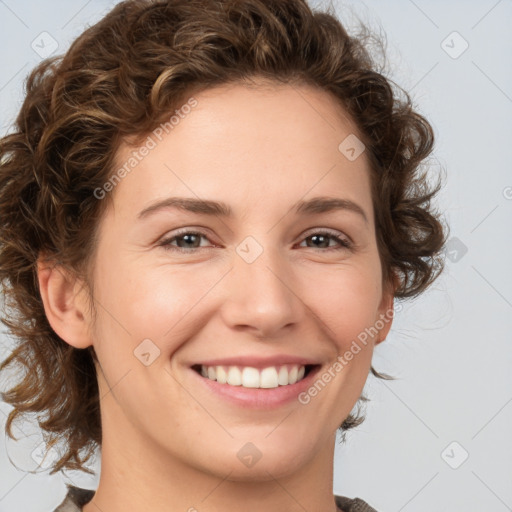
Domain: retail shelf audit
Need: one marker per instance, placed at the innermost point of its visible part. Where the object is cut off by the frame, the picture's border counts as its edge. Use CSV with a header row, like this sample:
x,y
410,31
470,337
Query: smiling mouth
x,y
249,377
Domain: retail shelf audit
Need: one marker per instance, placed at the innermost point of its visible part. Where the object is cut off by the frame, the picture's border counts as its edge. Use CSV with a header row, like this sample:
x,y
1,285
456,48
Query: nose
x,y
260,295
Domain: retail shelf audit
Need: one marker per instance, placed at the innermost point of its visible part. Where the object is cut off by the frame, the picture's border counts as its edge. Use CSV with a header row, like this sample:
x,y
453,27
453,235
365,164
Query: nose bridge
x,y
261,267
260,289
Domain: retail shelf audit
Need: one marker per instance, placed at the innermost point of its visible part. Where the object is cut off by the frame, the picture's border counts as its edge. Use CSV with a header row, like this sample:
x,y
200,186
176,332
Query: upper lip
x,y
258,361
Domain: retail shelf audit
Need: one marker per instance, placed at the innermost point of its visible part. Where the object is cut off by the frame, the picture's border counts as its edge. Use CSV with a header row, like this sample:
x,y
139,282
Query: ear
x,y
386,309
64,303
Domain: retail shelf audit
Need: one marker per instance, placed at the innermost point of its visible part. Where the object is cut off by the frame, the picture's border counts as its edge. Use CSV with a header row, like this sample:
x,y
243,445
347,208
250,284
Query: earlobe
x,y
64,304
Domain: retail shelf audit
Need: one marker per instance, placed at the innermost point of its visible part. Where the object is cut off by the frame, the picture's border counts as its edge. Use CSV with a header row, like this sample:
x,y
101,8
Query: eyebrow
x,y
313,206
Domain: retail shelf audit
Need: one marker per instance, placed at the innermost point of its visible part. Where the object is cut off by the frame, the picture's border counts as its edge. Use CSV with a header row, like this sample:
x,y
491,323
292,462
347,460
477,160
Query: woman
x,y
207,210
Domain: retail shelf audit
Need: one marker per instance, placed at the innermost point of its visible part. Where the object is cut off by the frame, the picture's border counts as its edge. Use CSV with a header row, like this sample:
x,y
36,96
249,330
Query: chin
x,y
262,459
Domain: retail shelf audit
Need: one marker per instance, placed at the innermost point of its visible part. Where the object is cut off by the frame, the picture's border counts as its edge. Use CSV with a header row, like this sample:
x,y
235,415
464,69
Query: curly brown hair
x,y
118,81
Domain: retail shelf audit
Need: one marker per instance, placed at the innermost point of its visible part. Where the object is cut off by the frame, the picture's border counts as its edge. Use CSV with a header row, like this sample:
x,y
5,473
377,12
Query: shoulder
x,y
353,505
75,499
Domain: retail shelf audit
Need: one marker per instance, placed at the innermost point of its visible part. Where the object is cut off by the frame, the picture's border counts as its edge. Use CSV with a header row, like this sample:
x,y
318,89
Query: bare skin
x,y
168,443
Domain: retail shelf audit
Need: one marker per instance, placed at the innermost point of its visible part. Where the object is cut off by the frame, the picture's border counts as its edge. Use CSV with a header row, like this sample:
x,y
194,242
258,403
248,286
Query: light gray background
x,y
450,349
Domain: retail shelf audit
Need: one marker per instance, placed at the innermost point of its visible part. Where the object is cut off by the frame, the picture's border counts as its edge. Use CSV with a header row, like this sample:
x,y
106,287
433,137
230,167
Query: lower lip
x,y
259,398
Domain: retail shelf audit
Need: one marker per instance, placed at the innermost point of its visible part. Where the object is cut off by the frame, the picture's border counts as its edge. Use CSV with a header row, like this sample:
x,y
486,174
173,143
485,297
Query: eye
x,y
187,241
322,237
190,239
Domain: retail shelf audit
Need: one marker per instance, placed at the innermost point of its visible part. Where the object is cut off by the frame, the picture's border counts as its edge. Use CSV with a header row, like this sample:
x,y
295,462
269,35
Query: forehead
x,y
269,140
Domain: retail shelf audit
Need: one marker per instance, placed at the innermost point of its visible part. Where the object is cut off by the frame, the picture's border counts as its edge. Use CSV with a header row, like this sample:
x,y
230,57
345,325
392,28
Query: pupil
x,y
316,237
187,238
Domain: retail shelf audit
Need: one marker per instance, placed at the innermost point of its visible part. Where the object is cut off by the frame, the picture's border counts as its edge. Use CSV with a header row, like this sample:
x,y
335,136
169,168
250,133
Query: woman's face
x,y
267,285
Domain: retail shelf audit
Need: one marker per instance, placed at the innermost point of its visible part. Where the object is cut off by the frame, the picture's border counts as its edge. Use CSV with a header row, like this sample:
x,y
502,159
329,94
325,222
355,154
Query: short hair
x,y
119,80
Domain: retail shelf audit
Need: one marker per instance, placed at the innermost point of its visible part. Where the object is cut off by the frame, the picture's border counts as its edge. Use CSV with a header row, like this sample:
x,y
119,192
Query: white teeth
x,y
268,378
249,377
292,375
222,376
282,377
234,376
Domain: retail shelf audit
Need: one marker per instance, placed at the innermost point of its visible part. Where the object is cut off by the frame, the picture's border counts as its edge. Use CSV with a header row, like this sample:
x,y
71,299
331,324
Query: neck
x,y
138,474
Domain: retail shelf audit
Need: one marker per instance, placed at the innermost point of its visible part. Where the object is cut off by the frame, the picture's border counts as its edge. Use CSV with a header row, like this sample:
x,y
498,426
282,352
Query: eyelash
x,y
344,243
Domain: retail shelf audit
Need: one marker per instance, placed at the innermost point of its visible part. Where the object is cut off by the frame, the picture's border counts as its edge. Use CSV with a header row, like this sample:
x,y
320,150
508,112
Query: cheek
x,y
345,300
158,302
164,303
136,305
